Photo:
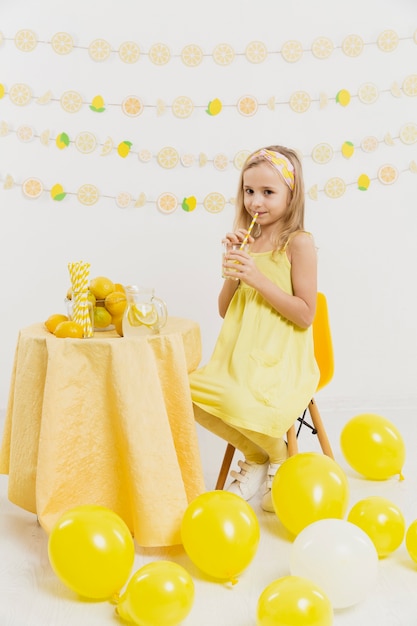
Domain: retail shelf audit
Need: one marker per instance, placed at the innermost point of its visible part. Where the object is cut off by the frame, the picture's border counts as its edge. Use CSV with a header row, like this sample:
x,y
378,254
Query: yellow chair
x,y
323,351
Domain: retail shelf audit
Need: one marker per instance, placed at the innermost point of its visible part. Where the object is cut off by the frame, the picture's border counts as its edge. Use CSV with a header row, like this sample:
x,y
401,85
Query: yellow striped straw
x,y
79,273
246,237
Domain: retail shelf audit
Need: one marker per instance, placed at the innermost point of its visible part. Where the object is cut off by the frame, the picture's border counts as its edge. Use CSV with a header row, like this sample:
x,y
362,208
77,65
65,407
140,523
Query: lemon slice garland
x,y
223,54
71,101
214,202
168,157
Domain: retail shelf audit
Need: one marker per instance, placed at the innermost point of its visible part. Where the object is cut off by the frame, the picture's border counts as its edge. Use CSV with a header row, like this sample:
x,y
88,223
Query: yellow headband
x,y
279,162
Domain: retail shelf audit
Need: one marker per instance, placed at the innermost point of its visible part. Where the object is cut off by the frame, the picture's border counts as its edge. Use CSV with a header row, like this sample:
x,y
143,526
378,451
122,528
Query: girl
x,y
263,373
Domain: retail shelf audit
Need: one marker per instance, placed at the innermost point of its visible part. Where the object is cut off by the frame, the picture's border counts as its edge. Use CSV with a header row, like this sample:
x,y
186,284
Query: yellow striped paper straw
x,y
84,272
246,237
79,273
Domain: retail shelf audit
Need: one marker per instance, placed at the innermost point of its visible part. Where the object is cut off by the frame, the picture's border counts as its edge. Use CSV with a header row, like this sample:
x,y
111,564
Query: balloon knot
x,y
401,477
115,599
234,581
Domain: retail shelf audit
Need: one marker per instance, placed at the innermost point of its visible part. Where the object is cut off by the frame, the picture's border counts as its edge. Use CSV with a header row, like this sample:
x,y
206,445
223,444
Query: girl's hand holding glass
x,y
231,252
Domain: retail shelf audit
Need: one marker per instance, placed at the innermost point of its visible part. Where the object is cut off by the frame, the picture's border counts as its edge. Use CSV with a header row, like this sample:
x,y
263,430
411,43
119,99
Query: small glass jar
x,y
70,303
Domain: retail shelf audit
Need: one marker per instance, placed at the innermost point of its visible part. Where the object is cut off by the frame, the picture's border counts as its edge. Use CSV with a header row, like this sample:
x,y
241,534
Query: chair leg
x,y
224,470
292,441
318,425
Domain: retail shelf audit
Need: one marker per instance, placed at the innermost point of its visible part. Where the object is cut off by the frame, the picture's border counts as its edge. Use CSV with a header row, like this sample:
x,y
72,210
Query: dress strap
x,y
292,235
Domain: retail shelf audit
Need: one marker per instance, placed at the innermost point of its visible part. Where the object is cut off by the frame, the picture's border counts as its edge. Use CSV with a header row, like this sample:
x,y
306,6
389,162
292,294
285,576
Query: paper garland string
x,y
168,157
214,202
223,54
71,101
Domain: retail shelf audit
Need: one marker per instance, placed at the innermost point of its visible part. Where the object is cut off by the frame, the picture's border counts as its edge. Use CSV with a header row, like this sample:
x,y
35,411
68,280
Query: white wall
x,y
366,240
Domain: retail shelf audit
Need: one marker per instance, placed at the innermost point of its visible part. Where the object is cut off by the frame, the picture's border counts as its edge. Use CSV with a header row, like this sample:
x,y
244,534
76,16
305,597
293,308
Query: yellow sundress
x,y
262,373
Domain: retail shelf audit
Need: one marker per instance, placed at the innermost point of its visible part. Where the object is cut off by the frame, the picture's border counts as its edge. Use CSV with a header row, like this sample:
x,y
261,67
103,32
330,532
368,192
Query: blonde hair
x,y
294,217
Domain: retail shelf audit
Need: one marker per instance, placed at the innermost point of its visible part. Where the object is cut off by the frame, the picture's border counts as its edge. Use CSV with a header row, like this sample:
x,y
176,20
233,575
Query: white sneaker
x,y
266,502
249,480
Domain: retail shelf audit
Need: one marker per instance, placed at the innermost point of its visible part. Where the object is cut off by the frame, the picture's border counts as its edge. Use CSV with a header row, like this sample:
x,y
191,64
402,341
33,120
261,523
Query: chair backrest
x,y
323,346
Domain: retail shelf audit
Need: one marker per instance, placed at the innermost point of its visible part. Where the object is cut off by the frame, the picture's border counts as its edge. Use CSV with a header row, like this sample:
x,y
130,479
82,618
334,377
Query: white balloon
x,y
338,557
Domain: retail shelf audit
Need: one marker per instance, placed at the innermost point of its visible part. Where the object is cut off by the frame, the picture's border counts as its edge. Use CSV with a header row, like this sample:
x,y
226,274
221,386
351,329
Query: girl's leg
x,y
237,437
275,447
277,450
253,469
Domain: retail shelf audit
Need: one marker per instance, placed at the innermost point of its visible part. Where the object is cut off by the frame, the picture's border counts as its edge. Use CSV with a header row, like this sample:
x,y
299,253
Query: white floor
x,y
31,595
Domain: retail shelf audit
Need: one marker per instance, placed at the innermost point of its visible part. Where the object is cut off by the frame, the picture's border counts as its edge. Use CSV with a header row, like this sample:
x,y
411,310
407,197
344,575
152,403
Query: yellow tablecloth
x,y
105,420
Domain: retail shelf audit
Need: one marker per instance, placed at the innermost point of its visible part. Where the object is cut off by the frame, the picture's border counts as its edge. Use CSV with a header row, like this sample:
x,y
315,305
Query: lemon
x,y
32,188
99,50
119,287
2,91
182,107
348,149
115,303
132,106
189,204
62,141
102,317
167,202
143,316
214,202
53,321
363,182
97,104
123,148
343,97
118,324
214,107
101,286
69,329
57,192
88,194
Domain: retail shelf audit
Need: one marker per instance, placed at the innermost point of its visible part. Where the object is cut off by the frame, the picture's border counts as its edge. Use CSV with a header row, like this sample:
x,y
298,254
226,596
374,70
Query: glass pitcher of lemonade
x,y
144,314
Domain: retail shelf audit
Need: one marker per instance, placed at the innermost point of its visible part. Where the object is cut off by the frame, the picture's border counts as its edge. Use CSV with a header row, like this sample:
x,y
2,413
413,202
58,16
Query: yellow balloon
x,y
411,540
373,446
308,487
295,601
382,521
91,550
220,533
160,593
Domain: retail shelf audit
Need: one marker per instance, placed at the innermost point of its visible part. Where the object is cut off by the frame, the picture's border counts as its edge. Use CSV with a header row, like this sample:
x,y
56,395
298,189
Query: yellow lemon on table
x,y
53,321
69,329
101,286
118,324
102,317
115,303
